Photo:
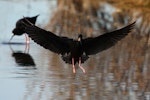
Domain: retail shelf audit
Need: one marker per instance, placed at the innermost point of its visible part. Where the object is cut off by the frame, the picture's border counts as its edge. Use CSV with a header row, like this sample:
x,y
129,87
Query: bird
x,y
19,29
23,59
76,51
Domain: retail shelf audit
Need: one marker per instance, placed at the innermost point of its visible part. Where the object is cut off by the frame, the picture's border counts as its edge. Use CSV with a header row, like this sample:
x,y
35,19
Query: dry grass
x,y
129,59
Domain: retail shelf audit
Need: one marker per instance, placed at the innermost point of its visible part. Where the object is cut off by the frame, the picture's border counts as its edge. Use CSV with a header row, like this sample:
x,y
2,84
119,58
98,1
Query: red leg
x,y
27,43
73,66
27,39
83,70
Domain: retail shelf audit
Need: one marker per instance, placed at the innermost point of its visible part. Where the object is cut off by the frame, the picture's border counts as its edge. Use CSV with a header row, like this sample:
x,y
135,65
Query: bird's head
x,y
80,37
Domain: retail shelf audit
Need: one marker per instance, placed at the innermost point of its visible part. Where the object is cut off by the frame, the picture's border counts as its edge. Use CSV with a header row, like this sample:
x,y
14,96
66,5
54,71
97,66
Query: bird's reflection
x,y
23,59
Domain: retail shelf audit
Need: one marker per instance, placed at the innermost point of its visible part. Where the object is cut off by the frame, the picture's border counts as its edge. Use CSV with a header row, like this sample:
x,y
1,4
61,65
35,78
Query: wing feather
x,y
47,39
105,41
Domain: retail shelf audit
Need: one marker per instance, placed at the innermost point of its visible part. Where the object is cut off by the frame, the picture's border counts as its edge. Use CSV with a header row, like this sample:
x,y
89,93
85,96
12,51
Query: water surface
x,y
120,73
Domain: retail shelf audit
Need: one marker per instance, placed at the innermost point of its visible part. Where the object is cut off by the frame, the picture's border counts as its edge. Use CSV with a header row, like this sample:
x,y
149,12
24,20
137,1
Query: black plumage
x,y
75,51
23,59
19,29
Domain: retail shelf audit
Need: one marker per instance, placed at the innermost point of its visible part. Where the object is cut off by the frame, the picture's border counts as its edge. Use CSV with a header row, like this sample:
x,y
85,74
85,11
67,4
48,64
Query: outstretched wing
x,y
105,41
47,39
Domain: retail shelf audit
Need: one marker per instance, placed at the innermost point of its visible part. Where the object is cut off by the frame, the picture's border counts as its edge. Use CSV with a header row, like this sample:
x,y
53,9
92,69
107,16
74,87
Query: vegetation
x,y
128,61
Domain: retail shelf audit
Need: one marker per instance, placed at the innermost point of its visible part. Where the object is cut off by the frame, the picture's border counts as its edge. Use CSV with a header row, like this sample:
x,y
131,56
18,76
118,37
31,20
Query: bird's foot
x,y
73,66
83,70
73,69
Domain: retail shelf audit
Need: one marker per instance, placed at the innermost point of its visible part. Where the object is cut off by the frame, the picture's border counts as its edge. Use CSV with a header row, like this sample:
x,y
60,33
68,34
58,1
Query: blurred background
x,y
119,73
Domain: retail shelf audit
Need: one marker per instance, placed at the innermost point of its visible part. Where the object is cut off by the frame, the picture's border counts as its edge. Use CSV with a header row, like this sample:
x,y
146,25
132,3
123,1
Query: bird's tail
x,y
36,16
27,22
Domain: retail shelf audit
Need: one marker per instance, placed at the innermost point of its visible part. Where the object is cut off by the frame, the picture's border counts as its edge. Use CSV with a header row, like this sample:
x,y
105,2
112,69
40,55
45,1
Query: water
x,y
16,9
120,73
16,82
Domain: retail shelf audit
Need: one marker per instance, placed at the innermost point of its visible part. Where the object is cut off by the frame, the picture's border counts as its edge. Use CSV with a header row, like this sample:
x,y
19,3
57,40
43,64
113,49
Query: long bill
x,y
11,38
